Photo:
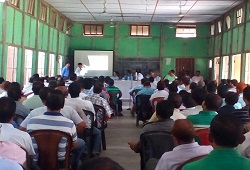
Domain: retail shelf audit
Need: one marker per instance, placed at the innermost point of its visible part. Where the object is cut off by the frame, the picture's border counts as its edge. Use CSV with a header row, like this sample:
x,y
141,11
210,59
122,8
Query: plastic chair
x,y
189,161
154,145
87,135
155,101
143,108
113,100
47,142
101,123
201,136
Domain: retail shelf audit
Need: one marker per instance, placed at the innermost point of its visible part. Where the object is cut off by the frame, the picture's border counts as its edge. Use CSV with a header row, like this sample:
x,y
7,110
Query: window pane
x,y
27,66
212,29
247,69
41,60
228,22
133,30
236,67
59,64
99,30
51,65
225,68
11,64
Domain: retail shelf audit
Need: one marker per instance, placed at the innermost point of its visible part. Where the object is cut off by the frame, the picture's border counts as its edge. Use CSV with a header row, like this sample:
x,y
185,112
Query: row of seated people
x,y
200,105
44,102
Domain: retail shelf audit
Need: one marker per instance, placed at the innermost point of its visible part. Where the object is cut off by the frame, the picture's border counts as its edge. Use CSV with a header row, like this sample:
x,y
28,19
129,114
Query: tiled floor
x,y
121,130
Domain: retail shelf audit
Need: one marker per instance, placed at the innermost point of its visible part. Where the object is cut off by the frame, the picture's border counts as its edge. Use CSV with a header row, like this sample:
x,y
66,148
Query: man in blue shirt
x,y
65,70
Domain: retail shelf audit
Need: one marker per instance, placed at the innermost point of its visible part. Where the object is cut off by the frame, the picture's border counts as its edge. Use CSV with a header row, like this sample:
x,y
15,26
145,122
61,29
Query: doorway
x,y
184,65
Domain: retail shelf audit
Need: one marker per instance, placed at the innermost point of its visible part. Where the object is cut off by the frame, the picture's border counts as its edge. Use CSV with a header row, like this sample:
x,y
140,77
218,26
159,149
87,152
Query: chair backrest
x,y
18,119
47,143
154,144
100,116
113,97
189,161
201,136
155,101
143,107
91,117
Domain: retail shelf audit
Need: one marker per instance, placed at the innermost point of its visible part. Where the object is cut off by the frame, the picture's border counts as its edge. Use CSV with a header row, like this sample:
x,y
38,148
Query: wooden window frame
x,y
43,12
239,16
15,3
53,17
31,7
186,31
61,23
140,35
228,21
92,29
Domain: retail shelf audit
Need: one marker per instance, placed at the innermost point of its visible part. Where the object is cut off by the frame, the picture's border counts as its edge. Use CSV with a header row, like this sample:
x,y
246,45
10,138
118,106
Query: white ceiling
x,y
144,10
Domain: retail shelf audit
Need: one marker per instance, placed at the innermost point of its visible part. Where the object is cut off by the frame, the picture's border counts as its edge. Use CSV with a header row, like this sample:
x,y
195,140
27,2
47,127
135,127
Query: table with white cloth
x,y
125,86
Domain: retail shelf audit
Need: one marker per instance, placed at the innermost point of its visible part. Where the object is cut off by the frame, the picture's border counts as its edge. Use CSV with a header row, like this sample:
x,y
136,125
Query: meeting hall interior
x,y
124,84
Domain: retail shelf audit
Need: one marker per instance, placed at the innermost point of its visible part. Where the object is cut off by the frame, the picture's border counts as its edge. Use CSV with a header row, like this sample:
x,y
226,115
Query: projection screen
x,y
96,63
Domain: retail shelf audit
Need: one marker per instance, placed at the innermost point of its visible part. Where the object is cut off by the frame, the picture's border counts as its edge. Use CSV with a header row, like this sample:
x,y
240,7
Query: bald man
x,y
186,148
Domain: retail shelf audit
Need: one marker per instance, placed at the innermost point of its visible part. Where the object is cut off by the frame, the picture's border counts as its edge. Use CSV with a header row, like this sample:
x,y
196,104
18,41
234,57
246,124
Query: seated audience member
x,y
186,83
211,87
211,104
244,148
201,84
100,163
176,101
187,102
112,88
153,84
60,82
87,86
12,151
5,86
198,96
146,90
137,87
186,148
27,89
98,100
66,111
226,132
222,92
52,119
197,77
9,164
34,101
115,76
52,84
232,85
231,99
173,87
164,110
240,87
16,94
166,85
8,132
138,74
160,92
74,91
1,81
128,75
170,76
243,113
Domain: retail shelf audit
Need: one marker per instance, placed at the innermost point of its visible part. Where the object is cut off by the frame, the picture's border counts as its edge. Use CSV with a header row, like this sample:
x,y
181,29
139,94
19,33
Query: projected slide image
x,y
97,62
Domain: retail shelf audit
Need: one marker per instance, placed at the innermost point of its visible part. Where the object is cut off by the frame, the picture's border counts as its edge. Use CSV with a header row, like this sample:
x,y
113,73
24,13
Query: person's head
x,y
74,89
173,87
15,93
73,77
6,85
36,86
101,79
198,95
55,100
100,163
231,98
222,90
98,87
115,73
186,81
43,93
183,131
151,79
87,83
223,81
166,81
64,90
175,99
52,84
1,80
240,87
233,83
128,72
107,78
143,80
211,87
79,65
246,95
187,100
212,102
138,70
161,85
197,73
201,83
226,130
164,109
7,109
171,72
60,82
193,86
67,64
111,82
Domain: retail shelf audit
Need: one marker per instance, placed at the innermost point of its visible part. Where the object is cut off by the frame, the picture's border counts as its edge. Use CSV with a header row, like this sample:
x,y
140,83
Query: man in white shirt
x,y
78,70
197,77
183,134
160,92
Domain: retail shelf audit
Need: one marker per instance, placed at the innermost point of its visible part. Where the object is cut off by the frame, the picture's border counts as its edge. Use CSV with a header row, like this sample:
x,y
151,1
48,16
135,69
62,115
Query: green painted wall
x,y
161,44
234,40
22,30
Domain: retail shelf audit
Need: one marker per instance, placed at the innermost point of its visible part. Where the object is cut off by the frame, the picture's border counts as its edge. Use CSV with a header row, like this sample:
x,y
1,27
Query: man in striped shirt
x,y
54,120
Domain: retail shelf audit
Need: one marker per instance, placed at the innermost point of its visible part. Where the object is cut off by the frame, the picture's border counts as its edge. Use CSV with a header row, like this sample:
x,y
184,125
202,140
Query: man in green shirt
x,y
170,76
226,132
211,104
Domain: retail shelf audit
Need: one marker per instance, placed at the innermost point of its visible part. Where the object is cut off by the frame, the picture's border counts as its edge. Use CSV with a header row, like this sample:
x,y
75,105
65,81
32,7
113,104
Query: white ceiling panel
x,y
144,10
